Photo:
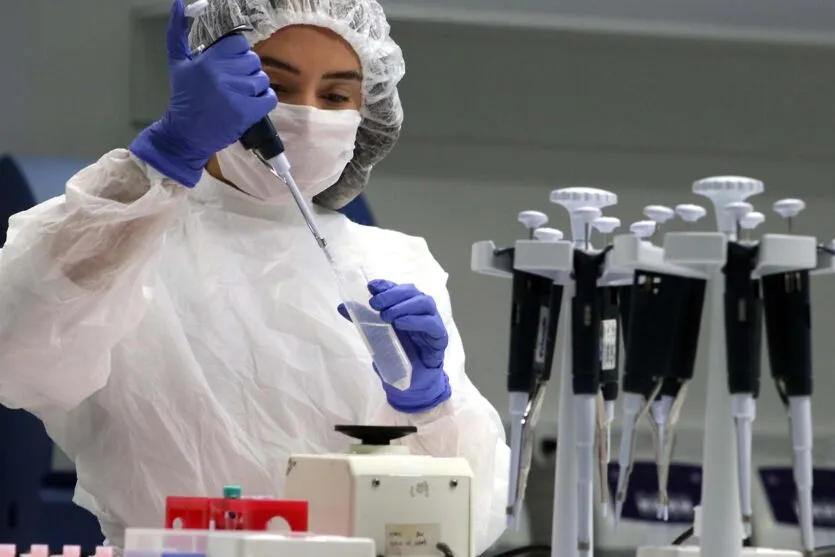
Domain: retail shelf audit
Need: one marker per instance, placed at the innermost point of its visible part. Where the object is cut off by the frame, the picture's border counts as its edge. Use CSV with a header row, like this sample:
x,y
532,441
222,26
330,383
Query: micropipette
x,y
682,365
788,325
585,359
637,382
660,355
609,369
661,407
743,333
529,337
379,337
584,206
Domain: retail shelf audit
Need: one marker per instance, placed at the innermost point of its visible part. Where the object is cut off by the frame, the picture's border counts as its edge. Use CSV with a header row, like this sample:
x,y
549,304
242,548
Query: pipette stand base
x,y
694,551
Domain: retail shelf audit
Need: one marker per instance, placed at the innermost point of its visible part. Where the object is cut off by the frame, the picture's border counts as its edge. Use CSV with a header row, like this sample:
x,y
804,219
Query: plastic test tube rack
x,y
702,255
554,259
214,543
9,550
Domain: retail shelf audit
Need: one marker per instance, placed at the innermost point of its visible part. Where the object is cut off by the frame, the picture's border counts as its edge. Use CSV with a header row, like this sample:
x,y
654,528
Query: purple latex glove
x,y
215,98
421,331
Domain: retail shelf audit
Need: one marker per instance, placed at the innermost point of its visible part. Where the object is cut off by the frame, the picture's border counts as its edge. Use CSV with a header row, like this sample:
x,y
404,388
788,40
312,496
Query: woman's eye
x,y
337,98
278,88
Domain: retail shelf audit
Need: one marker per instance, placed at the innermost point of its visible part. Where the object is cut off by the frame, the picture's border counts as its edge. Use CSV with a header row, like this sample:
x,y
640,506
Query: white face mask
x,y
319,145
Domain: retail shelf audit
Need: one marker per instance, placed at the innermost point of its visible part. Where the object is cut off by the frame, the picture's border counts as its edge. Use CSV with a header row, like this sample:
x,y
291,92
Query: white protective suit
x,y
175,341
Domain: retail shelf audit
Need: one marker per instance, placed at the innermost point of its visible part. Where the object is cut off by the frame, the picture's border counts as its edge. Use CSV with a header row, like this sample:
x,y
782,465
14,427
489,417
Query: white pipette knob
x,y
690,213
577,198
548,234
789,208
587,215
658,213
723,190
752,220
533,219
643,228
606,225
738,209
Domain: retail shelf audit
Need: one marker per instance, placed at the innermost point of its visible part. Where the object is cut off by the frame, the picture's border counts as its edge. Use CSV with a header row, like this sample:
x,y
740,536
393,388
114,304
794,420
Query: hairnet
x,y
363,25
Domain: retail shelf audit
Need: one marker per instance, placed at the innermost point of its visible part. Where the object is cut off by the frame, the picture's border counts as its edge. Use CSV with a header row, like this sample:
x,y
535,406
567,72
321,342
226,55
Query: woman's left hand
x,y
420,328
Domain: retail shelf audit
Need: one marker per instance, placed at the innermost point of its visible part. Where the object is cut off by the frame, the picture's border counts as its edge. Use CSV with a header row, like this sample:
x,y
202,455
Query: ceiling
x,y
781,21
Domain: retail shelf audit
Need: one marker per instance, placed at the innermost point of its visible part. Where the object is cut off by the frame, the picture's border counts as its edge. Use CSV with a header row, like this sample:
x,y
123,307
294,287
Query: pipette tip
x,y
663,512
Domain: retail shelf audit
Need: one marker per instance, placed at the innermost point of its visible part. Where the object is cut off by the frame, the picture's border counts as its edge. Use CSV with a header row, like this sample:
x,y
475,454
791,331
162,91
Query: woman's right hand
x,y
215,98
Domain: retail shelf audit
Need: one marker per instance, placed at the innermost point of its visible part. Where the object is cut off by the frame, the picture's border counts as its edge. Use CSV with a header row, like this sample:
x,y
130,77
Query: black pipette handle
x,y
624,307
788,325
542,369
530,326
655,313
743,319
262,136
690,324
585,323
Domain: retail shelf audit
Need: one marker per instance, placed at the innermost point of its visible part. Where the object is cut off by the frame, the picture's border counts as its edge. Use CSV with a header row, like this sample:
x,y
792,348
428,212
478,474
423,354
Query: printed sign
x,y
684,492
609,345
778,483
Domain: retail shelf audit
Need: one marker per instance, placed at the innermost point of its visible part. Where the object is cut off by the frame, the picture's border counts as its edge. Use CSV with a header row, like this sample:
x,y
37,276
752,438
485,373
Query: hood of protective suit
x,y
363,25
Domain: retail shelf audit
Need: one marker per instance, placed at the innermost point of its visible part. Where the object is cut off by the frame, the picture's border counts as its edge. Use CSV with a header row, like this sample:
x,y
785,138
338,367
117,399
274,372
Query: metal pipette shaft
x,y
301,202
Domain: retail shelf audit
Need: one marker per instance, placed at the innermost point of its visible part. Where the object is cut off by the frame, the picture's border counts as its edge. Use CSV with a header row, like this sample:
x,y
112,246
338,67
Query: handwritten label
x,y
412,539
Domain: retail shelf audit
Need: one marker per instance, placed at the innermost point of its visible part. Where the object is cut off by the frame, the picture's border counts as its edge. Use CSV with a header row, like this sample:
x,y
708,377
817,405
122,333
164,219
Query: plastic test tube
x,y
388,354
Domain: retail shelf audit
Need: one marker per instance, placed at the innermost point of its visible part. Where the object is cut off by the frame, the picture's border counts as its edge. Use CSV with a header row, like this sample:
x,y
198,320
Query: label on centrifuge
x,y
778,484
412,539
609,345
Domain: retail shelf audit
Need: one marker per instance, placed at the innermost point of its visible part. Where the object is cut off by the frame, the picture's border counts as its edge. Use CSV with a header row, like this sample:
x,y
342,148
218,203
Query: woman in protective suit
x,y
172,321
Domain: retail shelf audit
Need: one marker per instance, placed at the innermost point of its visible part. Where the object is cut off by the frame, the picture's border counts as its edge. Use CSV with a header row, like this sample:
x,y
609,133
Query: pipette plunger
x,y
532,220
643,229
788,209
548,234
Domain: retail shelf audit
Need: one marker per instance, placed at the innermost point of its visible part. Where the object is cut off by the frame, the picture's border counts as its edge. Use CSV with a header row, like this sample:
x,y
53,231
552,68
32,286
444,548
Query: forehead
x,y
311,49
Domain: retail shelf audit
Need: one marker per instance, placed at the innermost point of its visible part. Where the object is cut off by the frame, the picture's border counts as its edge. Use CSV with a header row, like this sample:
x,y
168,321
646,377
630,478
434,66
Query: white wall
x,y
13,68
65,76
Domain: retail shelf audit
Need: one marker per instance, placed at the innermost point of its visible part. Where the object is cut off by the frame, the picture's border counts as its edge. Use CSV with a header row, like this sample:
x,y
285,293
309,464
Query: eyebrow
x,y
270,62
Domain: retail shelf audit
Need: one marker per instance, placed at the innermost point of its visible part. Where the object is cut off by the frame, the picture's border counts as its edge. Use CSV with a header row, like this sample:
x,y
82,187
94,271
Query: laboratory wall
x,y
495,119
515,114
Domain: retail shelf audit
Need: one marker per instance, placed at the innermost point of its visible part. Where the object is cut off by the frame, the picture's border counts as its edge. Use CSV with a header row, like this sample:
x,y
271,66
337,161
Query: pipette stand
x,y
702,255
555,260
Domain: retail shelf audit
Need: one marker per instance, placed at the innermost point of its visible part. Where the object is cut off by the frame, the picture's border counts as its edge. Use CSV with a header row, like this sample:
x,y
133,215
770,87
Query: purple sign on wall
x,y
778,483
684,490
